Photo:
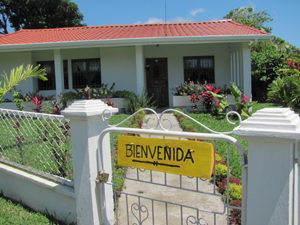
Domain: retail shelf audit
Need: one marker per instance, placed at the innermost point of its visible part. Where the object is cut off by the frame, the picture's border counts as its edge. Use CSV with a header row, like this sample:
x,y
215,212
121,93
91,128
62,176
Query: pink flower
x,y
245,99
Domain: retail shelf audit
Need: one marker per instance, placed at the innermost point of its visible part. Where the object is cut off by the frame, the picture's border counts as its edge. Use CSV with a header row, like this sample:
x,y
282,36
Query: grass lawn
x,y
12,213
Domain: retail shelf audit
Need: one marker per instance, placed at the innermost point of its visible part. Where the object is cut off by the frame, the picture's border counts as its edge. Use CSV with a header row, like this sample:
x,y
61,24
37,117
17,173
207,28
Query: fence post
x,y
86,125
273,147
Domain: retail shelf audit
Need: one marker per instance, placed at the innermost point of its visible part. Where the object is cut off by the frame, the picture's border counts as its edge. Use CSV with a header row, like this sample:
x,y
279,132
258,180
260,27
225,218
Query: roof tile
x,y
109,32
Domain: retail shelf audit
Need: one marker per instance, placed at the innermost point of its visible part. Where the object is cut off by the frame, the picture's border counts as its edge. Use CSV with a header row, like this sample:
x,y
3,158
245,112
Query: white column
x,y
273,147
59,73
140,69
246,69
86,125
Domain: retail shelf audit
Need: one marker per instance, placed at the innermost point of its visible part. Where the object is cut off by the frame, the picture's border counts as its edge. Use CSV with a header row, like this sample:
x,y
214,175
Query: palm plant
x,y
18,74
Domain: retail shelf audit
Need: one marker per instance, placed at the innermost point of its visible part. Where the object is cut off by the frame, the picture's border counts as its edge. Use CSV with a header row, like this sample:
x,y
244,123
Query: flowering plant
x,y
243,104
187,88
206,97
104,91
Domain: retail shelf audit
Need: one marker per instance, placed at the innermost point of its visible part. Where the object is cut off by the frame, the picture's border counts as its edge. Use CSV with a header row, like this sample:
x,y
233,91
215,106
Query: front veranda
x,y
128,66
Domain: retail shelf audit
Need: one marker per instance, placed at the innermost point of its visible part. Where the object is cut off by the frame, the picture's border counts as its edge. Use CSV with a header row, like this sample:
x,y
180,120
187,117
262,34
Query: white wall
x,y
38,193
175,54
118,65
8,61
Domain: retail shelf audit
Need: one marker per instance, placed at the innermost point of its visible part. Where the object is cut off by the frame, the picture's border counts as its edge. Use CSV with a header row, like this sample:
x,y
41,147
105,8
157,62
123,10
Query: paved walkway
x,y
154,212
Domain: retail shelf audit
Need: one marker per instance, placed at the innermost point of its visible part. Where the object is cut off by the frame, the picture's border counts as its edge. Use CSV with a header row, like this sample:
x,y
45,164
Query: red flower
x,y
245,99
210,88
291,63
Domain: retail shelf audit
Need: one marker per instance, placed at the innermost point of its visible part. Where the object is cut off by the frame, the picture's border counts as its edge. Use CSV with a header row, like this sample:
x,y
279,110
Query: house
x,y
154,57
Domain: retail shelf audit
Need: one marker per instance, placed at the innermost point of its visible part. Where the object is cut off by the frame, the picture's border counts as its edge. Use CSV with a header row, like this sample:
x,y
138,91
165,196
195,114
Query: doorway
x,y
157,80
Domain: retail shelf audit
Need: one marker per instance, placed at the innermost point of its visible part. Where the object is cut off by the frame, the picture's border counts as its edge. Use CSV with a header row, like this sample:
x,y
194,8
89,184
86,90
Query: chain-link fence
x,y
39,143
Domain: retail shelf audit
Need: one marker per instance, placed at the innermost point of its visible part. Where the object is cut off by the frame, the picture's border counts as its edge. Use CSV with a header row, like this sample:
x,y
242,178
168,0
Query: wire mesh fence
x,y
39,143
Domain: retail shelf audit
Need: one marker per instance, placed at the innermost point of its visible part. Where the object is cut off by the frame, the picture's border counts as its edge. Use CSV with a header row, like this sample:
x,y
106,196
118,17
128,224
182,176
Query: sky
x,y
118,12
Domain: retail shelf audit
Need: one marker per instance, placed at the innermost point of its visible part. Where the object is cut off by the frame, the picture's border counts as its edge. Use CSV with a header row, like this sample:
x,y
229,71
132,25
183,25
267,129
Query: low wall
x,y
29,105
38,193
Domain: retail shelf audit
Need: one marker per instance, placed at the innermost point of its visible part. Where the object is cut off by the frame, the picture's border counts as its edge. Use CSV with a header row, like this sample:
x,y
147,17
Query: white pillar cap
x,y
271,122
85,108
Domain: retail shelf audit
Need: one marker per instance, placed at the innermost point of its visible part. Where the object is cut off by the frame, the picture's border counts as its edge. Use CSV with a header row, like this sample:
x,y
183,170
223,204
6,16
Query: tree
x,y
5,13
17,75
248,17
38,14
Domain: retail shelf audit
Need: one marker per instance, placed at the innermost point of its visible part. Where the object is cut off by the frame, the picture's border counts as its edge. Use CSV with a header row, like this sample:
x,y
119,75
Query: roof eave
x,y
135,41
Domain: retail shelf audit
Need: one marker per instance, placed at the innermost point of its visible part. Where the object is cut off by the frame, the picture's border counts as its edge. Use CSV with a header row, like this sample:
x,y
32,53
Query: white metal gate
x,y
162,198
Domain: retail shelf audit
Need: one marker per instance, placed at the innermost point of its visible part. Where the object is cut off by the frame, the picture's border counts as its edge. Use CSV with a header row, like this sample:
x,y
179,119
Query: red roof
x,y
110,32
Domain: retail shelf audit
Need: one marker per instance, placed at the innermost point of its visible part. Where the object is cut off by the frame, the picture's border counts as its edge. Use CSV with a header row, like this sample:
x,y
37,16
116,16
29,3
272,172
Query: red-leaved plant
x,y
236,214
37,101
206,98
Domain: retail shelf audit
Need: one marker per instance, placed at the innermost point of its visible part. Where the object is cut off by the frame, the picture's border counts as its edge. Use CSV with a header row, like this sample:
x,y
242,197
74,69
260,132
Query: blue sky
x,y
108,12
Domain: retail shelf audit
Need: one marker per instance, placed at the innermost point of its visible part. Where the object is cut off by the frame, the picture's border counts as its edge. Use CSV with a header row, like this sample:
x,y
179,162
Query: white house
x,y
154,57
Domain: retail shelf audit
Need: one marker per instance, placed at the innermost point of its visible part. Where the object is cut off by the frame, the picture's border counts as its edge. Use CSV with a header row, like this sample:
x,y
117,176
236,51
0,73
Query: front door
x,y
157,80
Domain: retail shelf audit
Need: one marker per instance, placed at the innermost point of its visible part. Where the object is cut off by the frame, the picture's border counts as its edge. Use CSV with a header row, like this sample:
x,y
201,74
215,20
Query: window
x,y
199,69
86,72
66,79
50,83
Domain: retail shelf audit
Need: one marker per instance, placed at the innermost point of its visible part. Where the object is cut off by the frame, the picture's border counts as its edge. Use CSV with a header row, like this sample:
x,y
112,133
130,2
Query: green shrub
x,y
221,172
133,102
121,94
285,91
235,192
218,157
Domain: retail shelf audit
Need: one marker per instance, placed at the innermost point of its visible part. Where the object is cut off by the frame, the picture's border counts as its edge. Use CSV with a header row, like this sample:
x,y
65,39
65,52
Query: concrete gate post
x,y
273,148
86,125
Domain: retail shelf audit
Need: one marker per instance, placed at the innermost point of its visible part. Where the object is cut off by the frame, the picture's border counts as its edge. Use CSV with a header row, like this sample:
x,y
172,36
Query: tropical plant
x,y
134,102
18,74
243,104
187,88
37,101
18,98
285,90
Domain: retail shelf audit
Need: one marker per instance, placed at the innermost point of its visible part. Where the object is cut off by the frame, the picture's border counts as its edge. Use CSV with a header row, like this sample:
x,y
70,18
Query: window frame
x,y
201,78
82,81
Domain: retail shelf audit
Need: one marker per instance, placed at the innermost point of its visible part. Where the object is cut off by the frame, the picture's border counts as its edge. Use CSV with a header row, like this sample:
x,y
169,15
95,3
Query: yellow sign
x,y
189,158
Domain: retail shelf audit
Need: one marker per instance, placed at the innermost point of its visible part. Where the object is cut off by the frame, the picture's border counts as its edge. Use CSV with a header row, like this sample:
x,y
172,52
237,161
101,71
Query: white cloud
x,y
155,20
180,20
138,22
196,11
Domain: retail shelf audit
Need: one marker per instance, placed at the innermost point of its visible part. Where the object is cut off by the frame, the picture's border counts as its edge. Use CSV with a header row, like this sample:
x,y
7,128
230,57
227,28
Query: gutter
x,y
134,42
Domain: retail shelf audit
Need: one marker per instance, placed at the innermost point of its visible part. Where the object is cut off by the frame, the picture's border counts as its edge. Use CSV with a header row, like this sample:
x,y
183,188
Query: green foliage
x,y
18,98
37,14
13,212
134,102
285,91
265,64
221,172
17,75
235,192
218,157
242,104
121,94
247,16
